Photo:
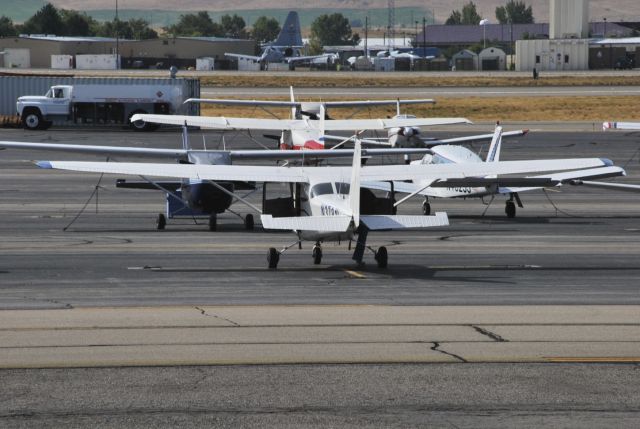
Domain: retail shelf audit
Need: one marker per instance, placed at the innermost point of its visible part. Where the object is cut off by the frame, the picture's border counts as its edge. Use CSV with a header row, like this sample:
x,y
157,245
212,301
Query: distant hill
x,y
407,12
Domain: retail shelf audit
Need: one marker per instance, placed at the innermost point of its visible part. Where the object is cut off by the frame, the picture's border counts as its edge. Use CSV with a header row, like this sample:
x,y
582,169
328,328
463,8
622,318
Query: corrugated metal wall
x,y
12,87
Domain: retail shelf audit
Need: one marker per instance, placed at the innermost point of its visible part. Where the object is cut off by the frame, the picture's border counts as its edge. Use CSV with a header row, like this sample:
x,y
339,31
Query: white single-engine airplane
x,y
489,185
196,197
327,202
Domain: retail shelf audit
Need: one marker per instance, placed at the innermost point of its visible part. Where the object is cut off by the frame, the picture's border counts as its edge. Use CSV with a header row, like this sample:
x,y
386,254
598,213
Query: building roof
x,y
504,33
54,38
621,41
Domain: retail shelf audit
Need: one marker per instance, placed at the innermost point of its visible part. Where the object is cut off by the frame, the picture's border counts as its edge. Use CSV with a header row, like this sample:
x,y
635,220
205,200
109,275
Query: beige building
x,y
180,51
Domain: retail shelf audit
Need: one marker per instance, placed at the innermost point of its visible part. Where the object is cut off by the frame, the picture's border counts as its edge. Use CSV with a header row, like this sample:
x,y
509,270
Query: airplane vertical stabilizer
x,y
294,110
354,189
290,34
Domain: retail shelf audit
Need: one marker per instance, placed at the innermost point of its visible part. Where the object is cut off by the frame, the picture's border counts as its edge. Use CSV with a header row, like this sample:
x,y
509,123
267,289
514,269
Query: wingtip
x,y
44,164
607,162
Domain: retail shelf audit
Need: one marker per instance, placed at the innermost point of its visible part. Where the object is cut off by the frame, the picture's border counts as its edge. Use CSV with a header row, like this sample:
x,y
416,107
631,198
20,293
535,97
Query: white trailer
x,y
100,104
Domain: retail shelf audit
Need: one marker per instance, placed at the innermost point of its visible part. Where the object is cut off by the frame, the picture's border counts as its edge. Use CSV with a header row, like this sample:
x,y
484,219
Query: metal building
x,y
569,19
545,55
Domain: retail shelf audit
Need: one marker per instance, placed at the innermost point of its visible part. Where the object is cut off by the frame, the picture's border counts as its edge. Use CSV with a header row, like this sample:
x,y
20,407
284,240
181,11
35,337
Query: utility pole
x,y
117,38
424,32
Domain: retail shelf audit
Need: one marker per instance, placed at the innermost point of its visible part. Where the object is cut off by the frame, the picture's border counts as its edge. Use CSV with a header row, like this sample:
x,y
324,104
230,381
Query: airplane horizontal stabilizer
x,y
377,222
307,223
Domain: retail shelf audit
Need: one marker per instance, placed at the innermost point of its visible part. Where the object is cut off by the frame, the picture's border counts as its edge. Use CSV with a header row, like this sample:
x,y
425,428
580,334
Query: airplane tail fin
x,y
185,137
496,143
321,125
354,188
290,34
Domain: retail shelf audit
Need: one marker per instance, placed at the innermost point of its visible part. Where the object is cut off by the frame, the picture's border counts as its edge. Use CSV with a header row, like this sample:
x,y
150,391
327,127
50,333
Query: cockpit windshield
x,y
321,189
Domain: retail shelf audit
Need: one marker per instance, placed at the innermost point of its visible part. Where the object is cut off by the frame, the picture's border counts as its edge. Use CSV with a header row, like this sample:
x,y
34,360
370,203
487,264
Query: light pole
x,y
416,33
117,38
484,23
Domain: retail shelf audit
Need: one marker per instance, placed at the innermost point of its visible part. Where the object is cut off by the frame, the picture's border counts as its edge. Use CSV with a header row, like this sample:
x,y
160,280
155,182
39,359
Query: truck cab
x,y
37,111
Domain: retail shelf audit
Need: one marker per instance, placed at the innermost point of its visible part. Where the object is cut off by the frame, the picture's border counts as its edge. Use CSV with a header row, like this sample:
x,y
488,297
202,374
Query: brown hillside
x,y
613,10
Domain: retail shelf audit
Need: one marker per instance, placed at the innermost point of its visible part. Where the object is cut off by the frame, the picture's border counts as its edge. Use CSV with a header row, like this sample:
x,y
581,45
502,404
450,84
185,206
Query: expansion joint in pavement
x,y
436,348
489,334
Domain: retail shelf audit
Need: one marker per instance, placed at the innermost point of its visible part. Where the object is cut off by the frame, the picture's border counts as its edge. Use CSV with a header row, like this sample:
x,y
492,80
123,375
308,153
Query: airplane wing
x,y
328,104
97,150
472,139
244,57
607,185
621,125
305,58
505,184
182,154
378,222
302,174
223,123
301,223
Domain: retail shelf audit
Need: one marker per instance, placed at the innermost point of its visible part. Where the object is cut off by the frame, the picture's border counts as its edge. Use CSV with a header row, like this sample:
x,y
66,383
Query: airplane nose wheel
x,y
273,257
317,254
382,257
248,222
161,222
510,209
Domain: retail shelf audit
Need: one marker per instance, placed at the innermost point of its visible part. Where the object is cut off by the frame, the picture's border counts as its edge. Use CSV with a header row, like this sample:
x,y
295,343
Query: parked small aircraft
x,y
621,125
327,202
489,185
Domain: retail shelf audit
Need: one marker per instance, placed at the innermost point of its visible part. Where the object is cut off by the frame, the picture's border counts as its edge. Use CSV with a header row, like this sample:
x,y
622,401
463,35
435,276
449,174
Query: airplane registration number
x,y
461,190
329,211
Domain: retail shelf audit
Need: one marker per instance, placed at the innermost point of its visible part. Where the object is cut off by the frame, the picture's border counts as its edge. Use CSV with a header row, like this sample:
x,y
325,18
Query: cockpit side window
x,y
342,188
321,189
437,159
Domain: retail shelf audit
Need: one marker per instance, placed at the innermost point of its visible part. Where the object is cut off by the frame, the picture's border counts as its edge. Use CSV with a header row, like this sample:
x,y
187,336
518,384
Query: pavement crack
x,y
436,348
204,313
489,334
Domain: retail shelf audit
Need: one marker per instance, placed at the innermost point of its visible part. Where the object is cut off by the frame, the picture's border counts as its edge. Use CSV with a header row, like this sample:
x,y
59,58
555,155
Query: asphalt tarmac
x,y
567,251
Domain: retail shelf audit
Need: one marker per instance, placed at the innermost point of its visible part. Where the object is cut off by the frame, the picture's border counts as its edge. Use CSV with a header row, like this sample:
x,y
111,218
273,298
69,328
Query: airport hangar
x,y
36,51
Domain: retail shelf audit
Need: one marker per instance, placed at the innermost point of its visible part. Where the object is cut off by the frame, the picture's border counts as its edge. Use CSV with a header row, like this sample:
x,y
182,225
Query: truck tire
x,y
32,120
141,125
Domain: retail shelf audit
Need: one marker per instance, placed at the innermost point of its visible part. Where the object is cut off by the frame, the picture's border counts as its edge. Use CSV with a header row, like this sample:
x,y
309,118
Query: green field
x,y
405,16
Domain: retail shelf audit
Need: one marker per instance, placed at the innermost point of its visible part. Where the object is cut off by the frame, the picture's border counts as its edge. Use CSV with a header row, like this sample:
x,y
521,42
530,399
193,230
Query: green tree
x,y
47,20
233,26
140,29
468,16
455,18
7,29
199,24
333,29
514,12
265,29
77,24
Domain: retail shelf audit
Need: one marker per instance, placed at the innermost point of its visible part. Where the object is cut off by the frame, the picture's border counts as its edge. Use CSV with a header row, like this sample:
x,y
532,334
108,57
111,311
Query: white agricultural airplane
x,y
491,185
328,204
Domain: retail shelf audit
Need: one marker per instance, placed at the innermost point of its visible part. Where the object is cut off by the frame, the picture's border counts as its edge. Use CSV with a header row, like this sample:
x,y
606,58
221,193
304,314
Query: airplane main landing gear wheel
x,y
272,258
213,222
382,257
510,209
317,254
248,222
161,222
426,208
